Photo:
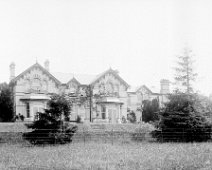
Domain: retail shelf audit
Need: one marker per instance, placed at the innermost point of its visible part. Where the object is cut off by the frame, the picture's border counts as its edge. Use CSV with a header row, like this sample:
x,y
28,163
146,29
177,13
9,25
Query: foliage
x,y
180,121
142,132
203,104
123,119
19,117
184,72
50,127
150,110
6,103
79,119
131,117
59,107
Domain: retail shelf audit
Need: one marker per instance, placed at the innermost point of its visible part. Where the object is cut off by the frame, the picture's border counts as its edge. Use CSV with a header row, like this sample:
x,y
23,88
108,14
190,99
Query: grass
x,y
97,156
100,152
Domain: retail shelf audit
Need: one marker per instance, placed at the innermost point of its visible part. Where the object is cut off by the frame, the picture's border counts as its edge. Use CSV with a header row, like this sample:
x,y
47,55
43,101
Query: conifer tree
x,y
185,72
6,103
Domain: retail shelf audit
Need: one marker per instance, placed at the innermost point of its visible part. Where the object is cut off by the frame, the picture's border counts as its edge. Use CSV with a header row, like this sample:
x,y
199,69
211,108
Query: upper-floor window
x,y
36,84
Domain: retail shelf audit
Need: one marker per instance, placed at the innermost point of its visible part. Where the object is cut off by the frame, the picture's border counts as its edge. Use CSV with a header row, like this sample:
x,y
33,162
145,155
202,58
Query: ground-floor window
x,y
103,111
28,110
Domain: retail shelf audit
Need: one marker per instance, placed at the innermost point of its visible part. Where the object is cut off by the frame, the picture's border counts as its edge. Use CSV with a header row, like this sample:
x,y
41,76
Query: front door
x,y
112,115
37,108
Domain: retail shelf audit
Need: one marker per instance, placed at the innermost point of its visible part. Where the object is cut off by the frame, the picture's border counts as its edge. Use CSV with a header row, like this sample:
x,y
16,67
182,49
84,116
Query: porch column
x,y
106,114
119,113
31,113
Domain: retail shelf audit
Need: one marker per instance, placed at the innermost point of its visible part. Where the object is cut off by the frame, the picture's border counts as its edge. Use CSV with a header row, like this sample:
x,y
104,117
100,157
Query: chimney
x,y
46,65
12,71
164,86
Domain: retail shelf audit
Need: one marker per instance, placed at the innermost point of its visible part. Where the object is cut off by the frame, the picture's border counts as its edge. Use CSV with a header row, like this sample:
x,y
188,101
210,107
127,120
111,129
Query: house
x,y
99,98
136,96
105,97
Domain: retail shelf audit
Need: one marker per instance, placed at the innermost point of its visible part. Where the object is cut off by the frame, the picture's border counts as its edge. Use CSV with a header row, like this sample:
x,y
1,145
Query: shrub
x,y
79,119
123,119
181,122
131,117
143,131
49,127
150,110
49,132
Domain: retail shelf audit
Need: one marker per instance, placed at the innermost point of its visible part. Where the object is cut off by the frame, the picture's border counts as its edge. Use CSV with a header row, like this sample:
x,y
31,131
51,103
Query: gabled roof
x,y
145,87
81,78
36,65
74,80
112,72
153,91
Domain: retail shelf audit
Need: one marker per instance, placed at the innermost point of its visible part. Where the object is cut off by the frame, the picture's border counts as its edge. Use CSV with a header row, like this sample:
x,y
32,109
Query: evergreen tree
x,y
6,103
180,121
150,110
50,127
184,72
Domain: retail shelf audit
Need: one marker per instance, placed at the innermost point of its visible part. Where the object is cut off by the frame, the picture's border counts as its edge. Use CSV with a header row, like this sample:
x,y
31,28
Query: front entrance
x,y
37,108
112,114
108,110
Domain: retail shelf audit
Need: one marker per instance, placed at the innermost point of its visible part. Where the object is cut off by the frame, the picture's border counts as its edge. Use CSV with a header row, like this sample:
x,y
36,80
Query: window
x,y
103,111
28,110
36,84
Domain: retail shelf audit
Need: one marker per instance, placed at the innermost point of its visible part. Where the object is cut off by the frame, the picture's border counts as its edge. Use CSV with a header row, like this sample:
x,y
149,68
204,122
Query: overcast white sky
x,y
140,38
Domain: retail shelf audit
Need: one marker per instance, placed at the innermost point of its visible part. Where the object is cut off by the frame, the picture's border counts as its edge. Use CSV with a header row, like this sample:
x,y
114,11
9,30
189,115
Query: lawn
x,y
97,156
97,151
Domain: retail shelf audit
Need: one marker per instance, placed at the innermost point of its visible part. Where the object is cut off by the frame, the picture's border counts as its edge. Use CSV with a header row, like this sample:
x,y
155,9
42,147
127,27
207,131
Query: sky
x,y
139,38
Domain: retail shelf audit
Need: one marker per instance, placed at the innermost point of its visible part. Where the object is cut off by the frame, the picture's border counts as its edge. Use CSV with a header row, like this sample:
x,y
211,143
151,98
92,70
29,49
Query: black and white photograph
x,y
105,85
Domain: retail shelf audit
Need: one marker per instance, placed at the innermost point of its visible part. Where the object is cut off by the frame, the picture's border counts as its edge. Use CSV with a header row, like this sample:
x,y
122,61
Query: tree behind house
x,y
150,110
6,103
184,72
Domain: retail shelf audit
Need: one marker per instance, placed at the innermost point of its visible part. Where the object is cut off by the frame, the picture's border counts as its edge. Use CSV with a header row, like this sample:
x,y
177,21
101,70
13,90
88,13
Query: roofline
x,y
36,64
73,78
144,87
108,71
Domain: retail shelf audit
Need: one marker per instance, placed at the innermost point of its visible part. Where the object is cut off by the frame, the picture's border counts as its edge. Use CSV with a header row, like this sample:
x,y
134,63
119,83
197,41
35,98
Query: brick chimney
x,y
164,86
12,71
46,65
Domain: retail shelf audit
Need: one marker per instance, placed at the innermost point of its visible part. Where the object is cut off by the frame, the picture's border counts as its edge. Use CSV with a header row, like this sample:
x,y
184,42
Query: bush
x,y
181,122
131,117
123,119
150,110
143,131
57,132
78,120
49,127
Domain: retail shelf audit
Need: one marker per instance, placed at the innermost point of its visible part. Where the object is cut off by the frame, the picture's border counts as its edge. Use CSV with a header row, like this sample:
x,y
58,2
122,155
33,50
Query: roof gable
x,y
36,65
114,73
74,80
83,79
144,88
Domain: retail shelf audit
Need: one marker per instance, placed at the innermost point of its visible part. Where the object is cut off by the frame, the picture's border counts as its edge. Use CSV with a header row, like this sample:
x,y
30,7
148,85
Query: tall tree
x,y
182,121
185,72
6,103
150,110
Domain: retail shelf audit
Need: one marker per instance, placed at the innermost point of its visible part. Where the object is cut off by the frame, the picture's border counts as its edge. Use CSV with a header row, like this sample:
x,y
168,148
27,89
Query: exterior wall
x,y
33,82
135,100
109,85
36,81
